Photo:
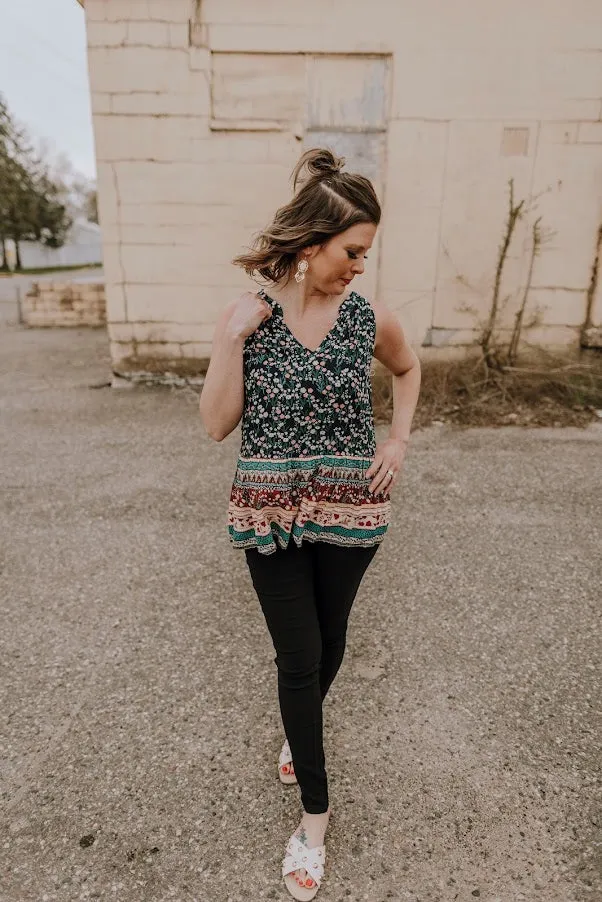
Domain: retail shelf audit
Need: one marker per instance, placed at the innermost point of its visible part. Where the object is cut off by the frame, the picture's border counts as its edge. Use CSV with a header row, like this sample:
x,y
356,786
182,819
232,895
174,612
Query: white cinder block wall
x,y
201,107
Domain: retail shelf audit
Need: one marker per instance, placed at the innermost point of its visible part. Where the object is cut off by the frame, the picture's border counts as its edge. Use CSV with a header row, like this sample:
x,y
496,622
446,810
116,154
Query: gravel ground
x,y
139,720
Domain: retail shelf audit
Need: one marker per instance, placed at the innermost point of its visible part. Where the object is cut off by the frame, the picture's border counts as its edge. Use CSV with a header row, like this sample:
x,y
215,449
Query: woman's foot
x,y
286,769
310,832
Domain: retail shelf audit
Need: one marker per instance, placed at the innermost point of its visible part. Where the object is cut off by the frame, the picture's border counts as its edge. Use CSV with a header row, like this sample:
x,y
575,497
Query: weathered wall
x,y
74,303
202,108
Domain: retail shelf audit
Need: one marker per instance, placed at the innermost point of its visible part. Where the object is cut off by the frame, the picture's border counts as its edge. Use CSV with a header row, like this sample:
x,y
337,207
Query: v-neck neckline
x,y
328,335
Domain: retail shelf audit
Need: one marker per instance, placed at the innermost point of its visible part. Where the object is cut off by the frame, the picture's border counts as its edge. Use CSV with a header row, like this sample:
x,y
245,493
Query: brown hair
x,y
328,202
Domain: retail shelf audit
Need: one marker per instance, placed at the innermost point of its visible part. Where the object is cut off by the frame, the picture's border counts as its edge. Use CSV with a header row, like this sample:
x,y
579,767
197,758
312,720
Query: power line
x,y
59,53
56,73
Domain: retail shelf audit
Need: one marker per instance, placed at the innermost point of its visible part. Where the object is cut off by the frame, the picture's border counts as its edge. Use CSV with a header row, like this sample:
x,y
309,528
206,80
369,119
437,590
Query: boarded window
x,y
347,112
336,101
271,91
348,92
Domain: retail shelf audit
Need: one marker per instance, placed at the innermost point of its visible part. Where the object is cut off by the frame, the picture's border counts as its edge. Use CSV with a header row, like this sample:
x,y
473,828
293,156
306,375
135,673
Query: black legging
x,y
306,596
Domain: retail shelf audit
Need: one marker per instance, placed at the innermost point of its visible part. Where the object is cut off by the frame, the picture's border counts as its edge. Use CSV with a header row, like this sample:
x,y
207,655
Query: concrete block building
x,y
201,108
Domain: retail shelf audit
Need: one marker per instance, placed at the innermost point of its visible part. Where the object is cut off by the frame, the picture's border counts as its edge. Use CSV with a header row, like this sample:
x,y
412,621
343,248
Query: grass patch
x,y
551,392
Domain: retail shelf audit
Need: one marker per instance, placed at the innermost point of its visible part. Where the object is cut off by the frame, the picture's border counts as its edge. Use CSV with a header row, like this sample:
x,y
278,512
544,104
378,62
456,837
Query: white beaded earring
x,y
302,268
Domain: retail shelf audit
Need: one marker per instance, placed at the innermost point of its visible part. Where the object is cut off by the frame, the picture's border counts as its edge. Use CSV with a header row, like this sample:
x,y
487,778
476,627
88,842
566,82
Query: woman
x,y
310,501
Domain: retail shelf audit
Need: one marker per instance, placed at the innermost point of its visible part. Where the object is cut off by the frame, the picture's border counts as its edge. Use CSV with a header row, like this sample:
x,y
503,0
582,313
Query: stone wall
x,y
202,108
50,303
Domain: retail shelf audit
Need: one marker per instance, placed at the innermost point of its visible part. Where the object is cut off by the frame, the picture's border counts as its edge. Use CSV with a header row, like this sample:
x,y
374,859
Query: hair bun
x,y
319,162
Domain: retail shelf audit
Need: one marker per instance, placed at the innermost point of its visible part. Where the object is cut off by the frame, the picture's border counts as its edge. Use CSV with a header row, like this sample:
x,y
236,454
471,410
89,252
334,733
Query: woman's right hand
x,y
249,312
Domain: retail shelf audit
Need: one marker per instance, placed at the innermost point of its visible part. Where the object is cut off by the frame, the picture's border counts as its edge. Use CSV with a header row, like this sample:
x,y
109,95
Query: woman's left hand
x,y
389,455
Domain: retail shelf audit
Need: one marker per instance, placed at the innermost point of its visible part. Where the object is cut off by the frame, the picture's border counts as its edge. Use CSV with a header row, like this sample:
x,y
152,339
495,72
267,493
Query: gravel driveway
x,y
139,720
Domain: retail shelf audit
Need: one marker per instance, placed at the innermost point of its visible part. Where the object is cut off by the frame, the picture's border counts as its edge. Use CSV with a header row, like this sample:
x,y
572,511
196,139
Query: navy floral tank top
x,y
308,437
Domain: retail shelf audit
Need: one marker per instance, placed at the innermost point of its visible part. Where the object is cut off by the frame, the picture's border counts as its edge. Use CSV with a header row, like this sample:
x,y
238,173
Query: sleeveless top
x,y
308,437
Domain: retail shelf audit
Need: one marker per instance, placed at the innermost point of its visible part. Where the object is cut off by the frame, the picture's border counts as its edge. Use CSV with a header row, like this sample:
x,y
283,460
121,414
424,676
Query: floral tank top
x,y
308,437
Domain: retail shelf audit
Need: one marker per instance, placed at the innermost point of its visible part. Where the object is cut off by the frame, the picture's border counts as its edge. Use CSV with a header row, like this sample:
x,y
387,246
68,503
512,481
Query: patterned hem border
x,y
269,544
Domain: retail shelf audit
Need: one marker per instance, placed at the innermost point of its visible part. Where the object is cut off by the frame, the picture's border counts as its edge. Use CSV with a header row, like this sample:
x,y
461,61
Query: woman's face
x,y
333,265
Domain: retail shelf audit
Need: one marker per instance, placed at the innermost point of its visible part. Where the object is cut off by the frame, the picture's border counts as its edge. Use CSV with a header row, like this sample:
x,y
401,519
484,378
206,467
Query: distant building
x,y
82,246
201,109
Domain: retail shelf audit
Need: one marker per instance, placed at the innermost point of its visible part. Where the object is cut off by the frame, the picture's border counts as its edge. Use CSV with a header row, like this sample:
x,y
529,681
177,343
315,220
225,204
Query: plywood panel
x,y
347,91
364,153
257,87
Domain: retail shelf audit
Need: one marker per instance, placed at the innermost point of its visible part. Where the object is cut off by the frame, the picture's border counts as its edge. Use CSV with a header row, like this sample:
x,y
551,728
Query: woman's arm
x,y
393,351
222,398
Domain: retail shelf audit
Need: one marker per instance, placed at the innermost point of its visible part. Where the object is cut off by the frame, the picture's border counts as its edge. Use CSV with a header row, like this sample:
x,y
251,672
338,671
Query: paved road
x,y
139,723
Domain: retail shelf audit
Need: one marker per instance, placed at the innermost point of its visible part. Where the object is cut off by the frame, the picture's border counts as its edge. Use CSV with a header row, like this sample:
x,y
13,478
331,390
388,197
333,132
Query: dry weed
x,y
549,392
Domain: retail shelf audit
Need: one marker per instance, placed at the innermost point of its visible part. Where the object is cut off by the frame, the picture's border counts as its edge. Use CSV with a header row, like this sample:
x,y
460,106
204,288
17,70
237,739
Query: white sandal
x,y
284,759
298,856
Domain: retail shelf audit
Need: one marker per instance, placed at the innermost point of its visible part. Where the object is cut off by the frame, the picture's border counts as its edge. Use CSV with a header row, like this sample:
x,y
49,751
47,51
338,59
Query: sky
x,y
44,75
